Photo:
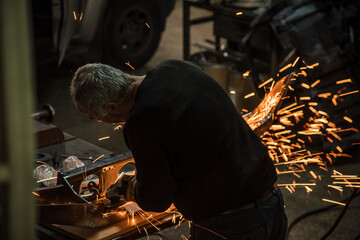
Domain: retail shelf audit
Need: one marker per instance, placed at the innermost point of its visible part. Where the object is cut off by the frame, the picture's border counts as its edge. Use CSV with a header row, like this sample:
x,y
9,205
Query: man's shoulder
x,y
177,64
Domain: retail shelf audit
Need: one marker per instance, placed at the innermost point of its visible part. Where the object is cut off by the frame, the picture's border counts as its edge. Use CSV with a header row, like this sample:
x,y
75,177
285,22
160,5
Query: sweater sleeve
x,y
155,187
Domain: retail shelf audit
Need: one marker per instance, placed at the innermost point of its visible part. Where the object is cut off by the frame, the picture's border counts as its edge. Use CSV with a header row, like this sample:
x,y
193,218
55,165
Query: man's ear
x,y
111,106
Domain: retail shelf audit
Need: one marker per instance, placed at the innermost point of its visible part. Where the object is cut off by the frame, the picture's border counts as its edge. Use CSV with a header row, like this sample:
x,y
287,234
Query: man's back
x,y
191,146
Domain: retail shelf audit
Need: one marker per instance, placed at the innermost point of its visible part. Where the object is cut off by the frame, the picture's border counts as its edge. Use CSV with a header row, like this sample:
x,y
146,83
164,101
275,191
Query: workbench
x,y
54,147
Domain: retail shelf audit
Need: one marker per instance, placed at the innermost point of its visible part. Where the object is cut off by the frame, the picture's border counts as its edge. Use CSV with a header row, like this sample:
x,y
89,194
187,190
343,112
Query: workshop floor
x,y
52,87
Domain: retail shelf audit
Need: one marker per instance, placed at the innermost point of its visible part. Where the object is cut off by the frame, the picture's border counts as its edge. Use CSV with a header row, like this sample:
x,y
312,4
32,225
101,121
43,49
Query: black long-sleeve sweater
x,y
191,146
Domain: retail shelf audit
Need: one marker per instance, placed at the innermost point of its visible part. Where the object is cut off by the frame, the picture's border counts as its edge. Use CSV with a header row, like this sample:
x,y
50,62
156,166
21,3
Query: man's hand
x,y
122,190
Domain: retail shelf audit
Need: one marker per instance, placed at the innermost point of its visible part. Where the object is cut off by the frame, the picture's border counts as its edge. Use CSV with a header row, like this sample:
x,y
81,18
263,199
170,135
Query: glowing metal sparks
x,y
78,16
324,95
314,65
296,184
305,85
249,95
128,63
296,60
246,74
348,119
208,230
119,126
266,82
46,179
348,93
339,149
315,83
313,174
103,138
331,201
286,67
36,194
98,158
344,81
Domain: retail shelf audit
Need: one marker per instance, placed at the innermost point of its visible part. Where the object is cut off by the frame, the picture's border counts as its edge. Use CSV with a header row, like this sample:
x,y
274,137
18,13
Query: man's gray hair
x,y
95,84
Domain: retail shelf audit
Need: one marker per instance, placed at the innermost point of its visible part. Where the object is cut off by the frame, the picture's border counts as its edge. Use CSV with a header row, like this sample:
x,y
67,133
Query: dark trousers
x,y
264,221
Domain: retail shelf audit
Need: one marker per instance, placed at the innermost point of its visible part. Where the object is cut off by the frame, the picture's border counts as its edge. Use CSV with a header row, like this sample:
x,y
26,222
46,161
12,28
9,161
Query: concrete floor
x,y
52,88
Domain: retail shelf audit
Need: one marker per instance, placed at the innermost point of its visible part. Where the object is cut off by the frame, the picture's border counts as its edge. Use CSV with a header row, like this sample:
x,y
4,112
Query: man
x,y
191,148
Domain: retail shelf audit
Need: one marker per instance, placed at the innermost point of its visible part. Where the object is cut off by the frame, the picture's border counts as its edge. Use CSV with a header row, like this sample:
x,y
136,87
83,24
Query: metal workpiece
x,y
63,204
106,170
264,114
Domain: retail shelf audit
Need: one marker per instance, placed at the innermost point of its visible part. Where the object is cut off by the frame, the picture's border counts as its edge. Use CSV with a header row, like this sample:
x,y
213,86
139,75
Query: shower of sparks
x,y
239,13
146,217
128,63
288,141
98,158
103,138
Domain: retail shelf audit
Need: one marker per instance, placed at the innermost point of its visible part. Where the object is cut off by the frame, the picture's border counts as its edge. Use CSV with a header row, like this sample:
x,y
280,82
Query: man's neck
x,y
136,84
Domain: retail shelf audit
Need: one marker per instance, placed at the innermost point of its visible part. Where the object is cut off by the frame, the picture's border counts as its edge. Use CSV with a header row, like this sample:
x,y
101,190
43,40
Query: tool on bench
x,y
47,113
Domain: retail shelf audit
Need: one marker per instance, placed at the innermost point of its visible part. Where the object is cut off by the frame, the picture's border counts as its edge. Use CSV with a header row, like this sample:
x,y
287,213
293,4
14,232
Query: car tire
x,y
132,33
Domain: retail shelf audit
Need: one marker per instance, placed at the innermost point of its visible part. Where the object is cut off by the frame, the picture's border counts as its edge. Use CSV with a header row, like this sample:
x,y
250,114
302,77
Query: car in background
x,y
113,31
